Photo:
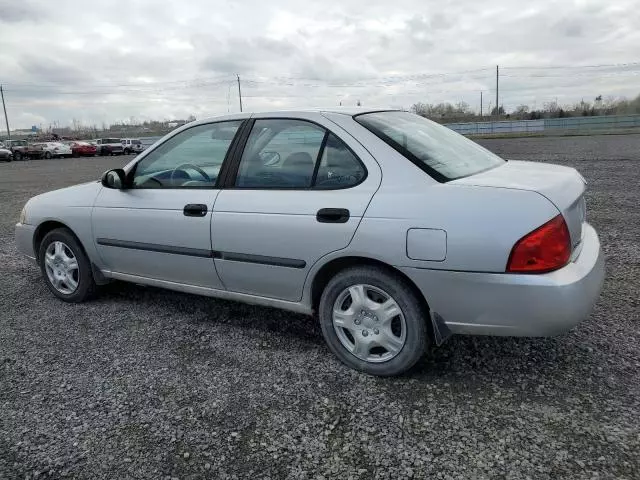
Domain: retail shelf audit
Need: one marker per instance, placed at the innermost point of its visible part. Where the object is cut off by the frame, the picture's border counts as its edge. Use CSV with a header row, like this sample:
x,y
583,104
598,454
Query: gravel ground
x,y
145,383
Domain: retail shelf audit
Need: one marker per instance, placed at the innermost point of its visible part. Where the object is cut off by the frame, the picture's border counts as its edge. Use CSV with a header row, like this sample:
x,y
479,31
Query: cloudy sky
x,y
131,60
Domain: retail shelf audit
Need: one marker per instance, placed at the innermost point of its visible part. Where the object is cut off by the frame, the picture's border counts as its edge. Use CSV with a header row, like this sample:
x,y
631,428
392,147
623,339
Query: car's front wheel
x,y
65,266
373,322
17,156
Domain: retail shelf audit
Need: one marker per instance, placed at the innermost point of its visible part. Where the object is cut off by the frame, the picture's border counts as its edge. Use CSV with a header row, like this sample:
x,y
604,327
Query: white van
x,y
132,145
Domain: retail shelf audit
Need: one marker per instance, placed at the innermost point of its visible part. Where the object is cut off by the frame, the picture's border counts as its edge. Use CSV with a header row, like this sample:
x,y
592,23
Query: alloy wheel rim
x,y
369,323
62,267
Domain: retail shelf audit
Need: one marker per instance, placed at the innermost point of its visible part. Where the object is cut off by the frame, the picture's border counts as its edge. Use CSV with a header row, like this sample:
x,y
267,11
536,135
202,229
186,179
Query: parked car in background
x,y
5,154
132,145
22,150
18,148
397,231
55,149
83,149
109,146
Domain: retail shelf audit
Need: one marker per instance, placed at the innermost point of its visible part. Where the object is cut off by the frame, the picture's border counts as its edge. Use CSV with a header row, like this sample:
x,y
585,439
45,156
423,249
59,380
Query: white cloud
x,y
112,60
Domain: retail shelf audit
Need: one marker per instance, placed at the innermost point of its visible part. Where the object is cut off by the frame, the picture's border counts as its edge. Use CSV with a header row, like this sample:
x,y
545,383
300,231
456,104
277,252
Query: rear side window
x,y
339,168
296,154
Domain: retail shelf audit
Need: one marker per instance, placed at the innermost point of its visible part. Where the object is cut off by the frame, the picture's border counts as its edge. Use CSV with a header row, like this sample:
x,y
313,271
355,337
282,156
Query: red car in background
x,y
83,149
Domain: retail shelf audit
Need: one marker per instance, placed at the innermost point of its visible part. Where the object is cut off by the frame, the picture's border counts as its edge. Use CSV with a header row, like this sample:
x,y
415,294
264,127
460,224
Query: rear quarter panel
x,y
481,224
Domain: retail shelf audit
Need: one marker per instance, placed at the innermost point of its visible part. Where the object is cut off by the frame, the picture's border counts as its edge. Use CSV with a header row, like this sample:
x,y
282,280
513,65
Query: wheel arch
x,y
324,274
49,225
44,228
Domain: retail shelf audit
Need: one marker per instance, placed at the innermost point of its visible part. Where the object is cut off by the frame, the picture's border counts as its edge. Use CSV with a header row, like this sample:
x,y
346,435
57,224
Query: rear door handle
x,y
332,215
195,210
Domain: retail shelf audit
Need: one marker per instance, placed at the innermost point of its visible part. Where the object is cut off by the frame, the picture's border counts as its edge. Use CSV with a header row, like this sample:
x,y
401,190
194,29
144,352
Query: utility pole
x,y
239,92
480,103
497,90
6,119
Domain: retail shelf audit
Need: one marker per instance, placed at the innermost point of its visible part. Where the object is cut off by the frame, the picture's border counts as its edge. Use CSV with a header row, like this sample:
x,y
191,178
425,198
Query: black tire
x,y
86,285
127,152
47,155
415,315
17,156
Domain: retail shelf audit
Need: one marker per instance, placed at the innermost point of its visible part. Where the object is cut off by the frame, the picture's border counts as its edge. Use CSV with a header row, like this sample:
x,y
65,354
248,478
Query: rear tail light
x,y
545,249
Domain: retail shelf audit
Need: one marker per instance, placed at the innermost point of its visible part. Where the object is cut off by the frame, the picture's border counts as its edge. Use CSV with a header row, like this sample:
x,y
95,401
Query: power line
x,y
271,80
364,82
138,84
108,91
553,67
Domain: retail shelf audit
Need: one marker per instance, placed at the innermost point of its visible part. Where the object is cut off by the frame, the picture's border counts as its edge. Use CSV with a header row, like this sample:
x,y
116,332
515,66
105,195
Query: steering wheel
x,y
180,168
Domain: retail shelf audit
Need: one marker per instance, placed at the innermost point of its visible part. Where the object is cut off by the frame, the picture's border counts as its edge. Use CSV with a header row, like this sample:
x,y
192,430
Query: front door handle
x,y
332,215
195,210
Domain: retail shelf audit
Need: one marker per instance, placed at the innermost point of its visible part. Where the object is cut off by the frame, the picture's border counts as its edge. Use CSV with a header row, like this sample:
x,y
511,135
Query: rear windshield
x,y
135,142
438,150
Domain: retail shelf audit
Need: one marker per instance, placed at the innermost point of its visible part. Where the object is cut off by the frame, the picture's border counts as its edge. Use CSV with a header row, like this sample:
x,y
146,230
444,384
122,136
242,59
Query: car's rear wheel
x,y
65,266
372,321
47,155
17,156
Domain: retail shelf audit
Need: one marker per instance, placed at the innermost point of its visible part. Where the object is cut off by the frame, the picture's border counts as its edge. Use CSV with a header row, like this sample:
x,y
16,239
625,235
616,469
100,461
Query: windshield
x,y
441,152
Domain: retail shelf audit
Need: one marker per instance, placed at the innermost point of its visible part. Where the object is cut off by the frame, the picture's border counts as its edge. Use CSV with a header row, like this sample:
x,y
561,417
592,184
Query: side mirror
x,y
115,179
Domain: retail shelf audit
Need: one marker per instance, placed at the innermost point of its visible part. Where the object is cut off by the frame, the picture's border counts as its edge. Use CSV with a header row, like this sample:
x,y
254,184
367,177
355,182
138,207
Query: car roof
x,y
350,111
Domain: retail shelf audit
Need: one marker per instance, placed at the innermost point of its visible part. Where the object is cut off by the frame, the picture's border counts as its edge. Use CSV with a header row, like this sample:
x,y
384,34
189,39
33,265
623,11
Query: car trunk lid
x,y
562,186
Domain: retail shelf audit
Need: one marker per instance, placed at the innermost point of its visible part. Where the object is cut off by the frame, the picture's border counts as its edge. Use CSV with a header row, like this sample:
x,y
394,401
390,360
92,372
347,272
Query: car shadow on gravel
x,y
522,366
207,311
460,357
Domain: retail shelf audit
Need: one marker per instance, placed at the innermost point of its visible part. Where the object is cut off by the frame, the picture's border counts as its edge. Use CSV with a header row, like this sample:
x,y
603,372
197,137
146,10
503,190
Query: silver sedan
x,y
396,231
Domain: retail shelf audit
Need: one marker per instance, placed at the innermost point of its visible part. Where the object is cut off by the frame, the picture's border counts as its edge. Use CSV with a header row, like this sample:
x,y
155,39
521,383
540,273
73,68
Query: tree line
x,y
462,112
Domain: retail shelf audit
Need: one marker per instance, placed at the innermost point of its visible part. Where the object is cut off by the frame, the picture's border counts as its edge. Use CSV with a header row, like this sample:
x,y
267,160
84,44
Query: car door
x,y
296,192
159,226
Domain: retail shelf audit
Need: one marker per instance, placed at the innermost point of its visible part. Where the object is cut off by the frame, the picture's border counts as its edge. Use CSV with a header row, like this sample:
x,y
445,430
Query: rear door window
x,y
296,154
280,153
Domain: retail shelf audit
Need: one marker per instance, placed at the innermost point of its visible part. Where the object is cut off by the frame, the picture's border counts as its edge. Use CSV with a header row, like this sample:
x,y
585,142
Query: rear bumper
x,y
24,239
513,304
